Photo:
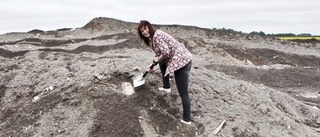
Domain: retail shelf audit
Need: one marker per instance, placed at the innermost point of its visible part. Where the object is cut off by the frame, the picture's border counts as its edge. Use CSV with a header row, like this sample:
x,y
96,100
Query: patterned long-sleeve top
x,y
175,53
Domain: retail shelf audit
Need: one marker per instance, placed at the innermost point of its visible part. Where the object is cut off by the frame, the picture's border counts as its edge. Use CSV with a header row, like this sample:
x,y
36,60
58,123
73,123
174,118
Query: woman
x,y
173,57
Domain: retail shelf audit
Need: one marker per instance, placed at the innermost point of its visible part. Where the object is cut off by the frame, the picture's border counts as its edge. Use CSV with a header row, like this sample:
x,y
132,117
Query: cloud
x,y
271,16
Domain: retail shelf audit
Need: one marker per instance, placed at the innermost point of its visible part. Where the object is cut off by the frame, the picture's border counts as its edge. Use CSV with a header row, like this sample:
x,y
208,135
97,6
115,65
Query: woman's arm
x,y
162,46
159,58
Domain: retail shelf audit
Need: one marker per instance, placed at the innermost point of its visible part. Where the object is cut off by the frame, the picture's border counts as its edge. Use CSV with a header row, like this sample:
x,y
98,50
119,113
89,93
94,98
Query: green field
x,y
300,38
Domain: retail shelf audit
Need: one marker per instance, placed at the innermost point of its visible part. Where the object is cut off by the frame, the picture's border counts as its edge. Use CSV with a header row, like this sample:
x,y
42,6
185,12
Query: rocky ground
x,y
74,82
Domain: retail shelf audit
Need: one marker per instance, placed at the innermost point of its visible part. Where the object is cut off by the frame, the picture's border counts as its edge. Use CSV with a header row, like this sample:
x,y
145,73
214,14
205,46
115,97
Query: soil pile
x,y
71,82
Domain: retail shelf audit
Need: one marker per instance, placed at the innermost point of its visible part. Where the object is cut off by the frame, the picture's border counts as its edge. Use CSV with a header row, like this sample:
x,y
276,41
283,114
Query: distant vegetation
x,y
300,38
303,37
288,36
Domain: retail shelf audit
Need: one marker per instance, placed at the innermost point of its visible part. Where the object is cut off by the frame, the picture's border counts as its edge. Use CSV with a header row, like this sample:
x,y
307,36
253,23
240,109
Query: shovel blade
x,y
138,81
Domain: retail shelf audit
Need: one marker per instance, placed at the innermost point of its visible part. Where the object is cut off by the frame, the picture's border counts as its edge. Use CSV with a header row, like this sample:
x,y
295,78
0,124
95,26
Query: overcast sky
x,y
269,16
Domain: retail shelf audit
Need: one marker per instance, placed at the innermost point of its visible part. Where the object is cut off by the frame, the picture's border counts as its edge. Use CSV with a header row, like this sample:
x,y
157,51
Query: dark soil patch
x,y
2,91
35,31
98,49
312,40
10,54
116,117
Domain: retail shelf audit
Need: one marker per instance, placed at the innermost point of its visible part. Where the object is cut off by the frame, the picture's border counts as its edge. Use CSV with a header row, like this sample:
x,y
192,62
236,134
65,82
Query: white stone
x,y
127,88
35,98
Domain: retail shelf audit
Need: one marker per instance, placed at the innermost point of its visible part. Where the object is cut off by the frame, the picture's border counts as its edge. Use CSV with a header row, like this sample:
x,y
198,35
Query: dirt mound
x,y
108,24
71,82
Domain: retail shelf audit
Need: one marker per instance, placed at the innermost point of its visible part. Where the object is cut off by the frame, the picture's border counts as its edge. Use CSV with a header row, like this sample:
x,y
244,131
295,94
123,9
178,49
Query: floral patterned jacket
x,y
175,53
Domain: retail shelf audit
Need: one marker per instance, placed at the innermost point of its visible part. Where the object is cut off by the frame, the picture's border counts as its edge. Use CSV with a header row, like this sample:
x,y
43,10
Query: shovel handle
x,y
151,67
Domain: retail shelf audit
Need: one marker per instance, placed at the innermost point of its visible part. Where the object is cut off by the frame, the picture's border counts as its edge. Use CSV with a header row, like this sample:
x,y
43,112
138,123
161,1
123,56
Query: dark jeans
x,y
182,79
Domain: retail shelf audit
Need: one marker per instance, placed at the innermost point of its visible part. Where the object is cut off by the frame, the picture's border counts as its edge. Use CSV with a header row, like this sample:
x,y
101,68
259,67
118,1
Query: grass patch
x,y
300,38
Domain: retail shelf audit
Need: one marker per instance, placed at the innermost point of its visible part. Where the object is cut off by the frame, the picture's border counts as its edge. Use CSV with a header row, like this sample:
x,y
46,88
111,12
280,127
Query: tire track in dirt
x,y
268,56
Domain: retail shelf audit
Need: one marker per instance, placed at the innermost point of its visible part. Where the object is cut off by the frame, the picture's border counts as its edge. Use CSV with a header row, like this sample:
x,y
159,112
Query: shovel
x,y
139,80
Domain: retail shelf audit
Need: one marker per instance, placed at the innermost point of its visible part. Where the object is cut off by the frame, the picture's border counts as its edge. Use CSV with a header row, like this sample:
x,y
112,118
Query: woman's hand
x,y
150,70
155,61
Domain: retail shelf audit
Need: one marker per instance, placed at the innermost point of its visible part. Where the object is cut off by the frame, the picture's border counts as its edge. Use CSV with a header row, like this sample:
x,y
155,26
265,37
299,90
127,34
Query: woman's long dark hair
x,y
146,23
